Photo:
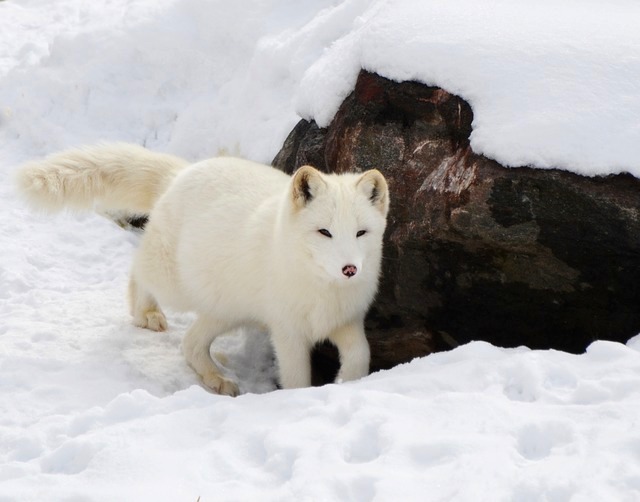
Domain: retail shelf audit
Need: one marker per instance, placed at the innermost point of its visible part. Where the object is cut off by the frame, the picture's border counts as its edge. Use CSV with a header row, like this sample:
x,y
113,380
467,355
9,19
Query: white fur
x,y
238,243
116,176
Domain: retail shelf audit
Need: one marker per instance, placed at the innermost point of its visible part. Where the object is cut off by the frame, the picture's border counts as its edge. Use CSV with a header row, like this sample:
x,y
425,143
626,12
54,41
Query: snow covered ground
x,y
92,408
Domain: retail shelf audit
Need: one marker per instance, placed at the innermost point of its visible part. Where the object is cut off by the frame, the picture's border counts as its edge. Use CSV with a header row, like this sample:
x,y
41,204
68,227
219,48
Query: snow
x,y
551,84
92,408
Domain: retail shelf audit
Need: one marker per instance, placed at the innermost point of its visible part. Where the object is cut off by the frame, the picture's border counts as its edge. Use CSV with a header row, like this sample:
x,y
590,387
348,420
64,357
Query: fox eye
x,y
325,232
361,233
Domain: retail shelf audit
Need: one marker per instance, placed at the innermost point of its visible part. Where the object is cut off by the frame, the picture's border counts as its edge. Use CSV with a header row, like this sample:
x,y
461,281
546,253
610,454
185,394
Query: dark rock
x,y
473,250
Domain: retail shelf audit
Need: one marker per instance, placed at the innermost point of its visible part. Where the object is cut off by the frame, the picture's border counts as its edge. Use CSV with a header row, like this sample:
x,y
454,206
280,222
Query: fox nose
x,y
349,270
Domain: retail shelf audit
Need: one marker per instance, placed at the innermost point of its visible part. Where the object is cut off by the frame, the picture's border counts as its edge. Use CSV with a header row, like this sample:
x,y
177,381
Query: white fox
x,y
239,243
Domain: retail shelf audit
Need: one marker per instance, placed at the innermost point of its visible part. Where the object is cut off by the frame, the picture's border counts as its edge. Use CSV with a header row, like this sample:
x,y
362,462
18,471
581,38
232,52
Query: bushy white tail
x,y
112,176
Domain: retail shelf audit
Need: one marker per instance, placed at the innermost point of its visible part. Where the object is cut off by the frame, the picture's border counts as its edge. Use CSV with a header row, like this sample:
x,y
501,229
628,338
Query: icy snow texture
x,y
92,408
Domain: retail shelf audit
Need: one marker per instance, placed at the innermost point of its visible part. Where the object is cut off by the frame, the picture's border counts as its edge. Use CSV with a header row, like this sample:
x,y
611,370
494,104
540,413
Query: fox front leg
x,y
354,351
294,360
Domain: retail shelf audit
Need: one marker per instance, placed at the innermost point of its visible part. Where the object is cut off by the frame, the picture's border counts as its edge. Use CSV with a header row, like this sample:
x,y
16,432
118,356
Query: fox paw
x,y
153,320
221,385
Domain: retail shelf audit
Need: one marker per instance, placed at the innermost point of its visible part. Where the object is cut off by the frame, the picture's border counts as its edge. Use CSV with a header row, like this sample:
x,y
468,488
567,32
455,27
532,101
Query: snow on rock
x,y
551,85
93,408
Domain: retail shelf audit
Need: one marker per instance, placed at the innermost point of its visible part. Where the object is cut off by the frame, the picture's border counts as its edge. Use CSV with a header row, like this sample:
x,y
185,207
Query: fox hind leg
x,y
196,347
145,309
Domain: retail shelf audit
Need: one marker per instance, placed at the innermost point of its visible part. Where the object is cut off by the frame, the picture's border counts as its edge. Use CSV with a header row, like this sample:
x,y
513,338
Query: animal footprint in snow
x,y
537,441
72,457
365,447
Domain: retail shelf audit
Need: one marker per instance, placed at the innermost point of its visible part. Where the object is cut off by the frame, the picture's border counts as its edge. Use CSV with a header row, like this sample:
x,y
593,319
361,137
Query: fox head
x,y
340,220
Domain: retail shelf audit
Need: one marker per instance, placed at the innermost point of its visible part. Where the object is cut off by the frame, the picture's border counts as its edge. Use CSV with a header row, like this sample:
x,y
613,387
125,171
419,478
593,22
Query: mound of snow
x,y
551,85
477,423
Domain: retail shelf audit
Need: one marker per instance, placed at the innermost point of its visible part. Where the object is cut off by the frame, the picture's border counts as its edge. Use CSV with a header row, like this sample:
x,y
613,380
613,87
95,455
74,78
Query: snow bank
x,y
478,423
551,85
195,77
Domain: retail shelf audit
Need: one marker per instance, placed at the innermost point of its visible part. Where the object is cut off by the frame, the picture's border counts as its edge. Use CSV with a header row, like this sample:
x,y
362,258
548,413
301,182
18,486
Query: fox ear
x,y
375,187
307,182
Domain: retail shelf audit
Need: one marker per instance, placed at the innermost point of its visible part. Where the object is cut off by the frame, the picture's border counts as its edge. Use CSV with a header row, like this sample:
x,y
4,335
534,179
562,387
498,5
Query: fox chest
x,y
318,315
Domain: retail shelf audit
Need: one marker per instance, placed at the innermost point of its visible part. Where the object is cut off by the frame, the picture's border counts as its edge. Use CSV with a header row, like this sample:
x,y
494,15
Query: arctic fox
x,y
239,243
